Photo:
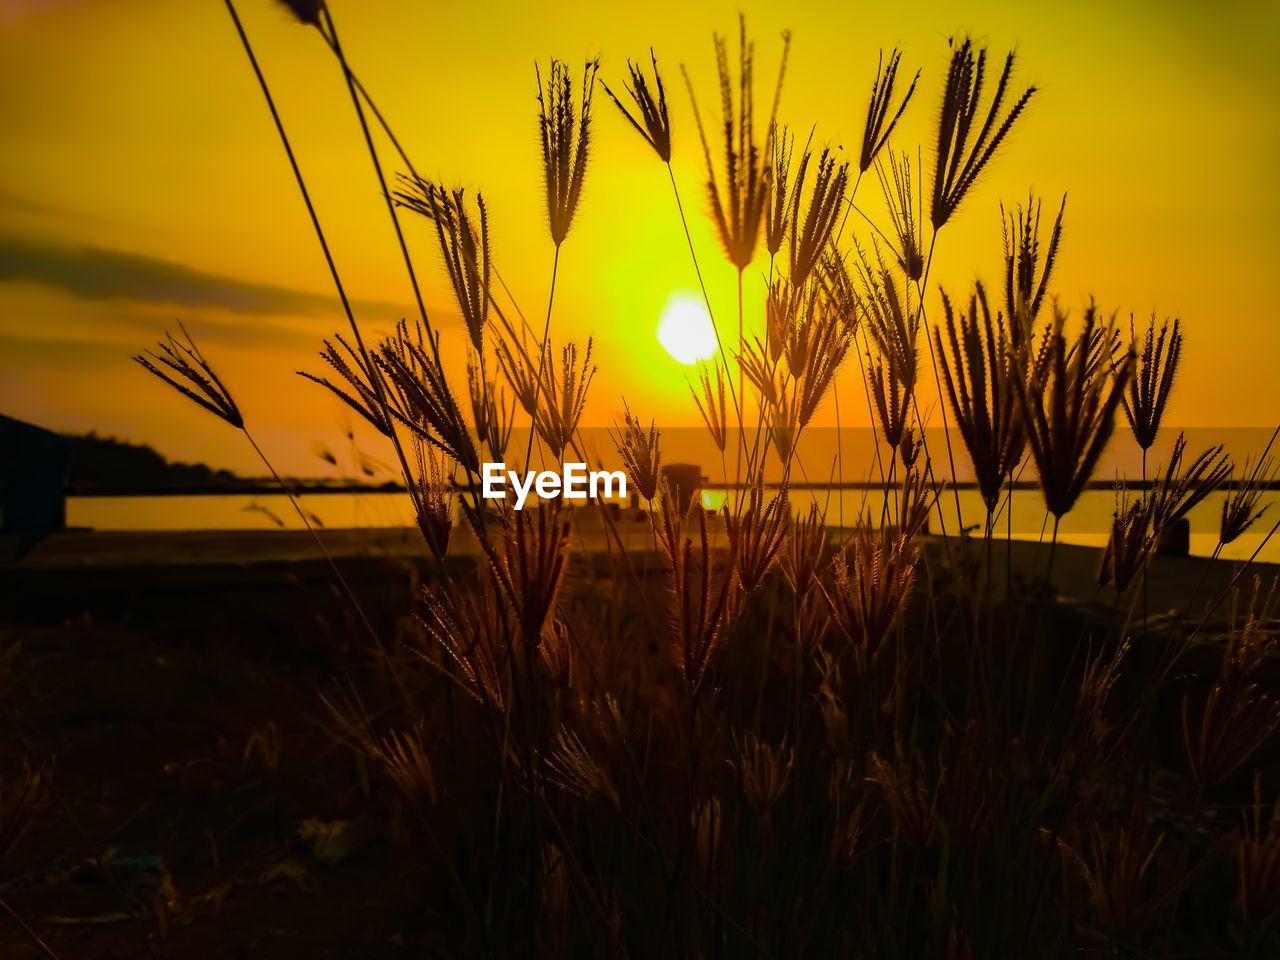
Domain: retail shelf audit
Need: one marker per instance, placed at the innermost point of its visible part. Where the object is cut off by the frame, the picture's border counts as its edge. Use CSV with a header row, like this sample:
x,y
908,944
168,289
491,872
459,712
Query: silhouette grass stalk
x,y
921,287
183,367
27,929
959,161
964,779
565,137
542,356
365,357
315,535
706,298
432,337
835,384
385,124
739,205
741,384
382,185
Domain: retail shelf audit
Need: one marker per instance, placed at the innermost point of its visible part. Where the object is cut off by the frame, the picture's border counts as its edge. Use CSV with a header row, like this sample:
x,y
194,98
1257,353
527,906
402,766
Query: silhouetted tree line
x,y
98,462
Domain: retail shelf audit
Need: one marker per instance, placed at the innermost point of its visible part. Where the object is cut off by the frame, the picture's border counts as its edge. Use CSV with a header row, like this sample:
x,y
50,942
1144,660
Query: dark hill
x,y
105,462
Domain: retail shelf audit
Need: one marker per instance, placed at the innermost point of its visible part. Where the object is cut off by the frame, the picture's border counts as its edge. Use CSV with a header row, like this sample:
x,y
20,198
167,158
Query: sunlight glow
x,y
685,329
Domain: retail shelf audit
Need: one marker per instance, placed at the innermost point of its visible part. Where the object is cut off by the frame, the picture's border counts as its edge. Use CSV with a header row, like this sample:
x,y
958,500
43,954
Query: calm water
x,y
1088,524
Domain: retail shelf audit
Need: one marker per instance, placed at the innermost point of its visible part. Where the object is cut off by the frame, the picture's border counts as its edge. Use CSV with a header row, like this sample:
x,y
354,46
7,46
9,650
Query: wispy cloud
x,y
94,273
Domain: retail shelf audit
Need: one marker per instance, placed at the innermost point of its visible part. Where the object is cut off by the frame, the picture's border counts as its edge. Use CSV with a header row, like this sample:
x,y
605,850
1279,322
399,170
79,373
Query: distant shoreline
x,y
312,487
262,487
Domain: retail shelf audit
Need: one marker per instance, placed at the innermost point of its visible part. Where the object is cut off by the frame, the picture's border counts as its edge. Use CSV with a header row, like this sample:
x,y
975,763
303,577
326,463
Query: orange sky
x,y
141,181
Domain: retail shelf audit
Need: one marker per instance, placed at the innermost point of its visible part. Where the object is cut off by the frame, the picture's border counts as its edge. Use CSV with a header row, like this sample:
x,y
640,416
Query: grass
x,y
769,736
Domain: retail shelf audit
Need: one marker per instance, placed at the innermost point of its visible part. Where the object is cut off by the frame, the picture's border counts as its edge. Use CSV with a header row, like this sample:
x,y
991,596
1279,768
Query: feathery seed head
x,y
756,533
565,135
654,123
765,773
784,431
891,321
494,418
959,161
1130,543
1068,397
837,286
739,205
1127,889
912,805
565,393
814,347
1026,272
702,600
809,235
905,212
530,568
638,449
422,399
358,390
1178,491
711,404
778,221
435,497
909,448
473,629
464,247
873,578
1252,636
579,768
182,366
805,550
1240,510
1100,675
879,125
979,369
404,756
1152,381
1234,722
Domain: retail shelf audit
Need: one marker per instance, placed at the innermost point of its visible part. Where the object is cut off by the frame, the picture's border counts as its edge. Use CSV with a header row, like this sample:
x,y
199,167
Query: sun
x,y
684,328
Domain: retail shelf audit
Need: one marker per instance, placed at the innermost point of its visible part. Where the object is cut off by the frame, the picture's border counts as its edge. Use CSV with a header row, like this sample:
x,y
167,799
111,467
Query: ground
x,y
190,770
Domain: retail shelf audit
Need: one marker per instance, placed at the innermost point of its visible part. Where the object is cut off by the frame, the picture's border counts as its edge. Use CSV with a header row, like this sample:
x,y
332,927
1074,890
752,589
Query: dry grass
x,y
763,736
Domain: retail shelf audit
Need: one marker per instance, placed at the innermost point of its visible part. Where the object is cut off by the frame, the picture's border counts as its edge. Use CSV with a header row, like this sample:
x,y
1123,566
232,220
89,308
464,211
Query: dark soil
x,y
182,761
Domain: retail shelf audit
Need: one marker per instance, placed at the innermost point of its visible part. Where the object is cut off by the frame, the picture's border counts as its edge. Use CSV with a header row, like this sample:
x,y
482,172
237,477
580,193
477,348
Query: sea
x,y
1025,518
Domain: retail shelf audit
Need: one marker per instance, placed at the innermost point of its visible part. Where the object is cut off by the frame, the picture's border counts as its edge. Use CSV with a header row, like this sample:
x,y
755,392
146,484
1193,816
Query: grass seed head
x,y
879,124
651,119
739,204
181,365
980,367
1152,381
960,160
779,215
1027,272
905,207
640,454
1068,397
810,234
1129,545
564,130
435,497
711,404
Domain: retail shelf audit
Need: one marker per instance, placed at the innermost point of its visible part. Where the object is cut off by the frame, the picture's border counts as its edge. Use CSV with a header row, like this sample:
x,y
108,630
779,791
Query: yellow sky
x,y
141,181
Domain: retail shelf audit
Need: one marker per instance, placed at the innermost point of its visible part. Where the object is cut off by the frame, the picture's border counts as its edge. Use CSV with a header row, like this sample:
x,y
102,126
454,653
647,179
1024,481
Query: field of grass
x,y
761,735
